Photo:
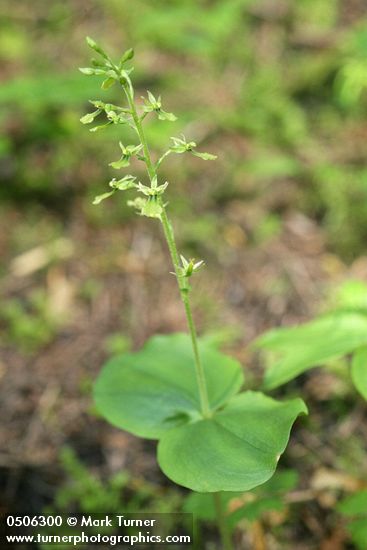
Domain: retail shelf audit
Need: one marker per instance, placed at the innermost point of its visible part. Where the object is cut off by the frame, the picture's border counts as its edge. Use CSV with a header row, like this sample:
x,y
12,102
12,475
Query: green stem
x,y
223,528
141,134
184,291
181,280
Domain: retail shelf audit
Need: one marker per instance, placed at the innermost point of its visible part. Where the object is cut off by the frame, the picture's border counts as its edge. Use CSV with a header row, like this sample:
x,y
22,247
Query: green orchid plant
x,y
180,389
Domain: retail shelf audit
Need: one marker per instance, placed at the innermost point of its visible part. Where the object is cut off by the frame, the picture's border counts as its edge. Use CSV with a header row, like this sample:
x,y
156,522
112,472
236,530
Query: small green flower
x,y
180,145
149,207
89,117
127,153
154,190
127,182
190,266
153,104
152,208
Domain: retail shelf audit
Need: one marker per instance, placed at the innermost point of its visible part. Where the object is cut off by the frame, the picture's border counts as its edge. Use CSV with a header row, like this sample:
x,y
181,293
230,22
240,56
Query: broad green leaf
x,y
236,449
150,391
301,348
153,393
359,371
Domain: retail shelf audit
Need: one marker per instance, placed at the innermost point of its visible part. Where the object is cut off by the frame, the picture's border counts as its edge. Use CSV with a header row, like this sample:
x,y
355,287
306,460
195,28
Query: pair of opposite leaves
x,y
153,394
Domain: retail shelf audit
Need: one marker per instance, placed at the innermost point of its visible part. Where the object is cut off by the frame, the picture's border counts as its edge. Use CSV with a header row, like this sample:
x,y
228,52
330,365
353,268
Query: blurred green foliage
x,y
243,508
282,89
83,492
354,509
28,325
351,295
